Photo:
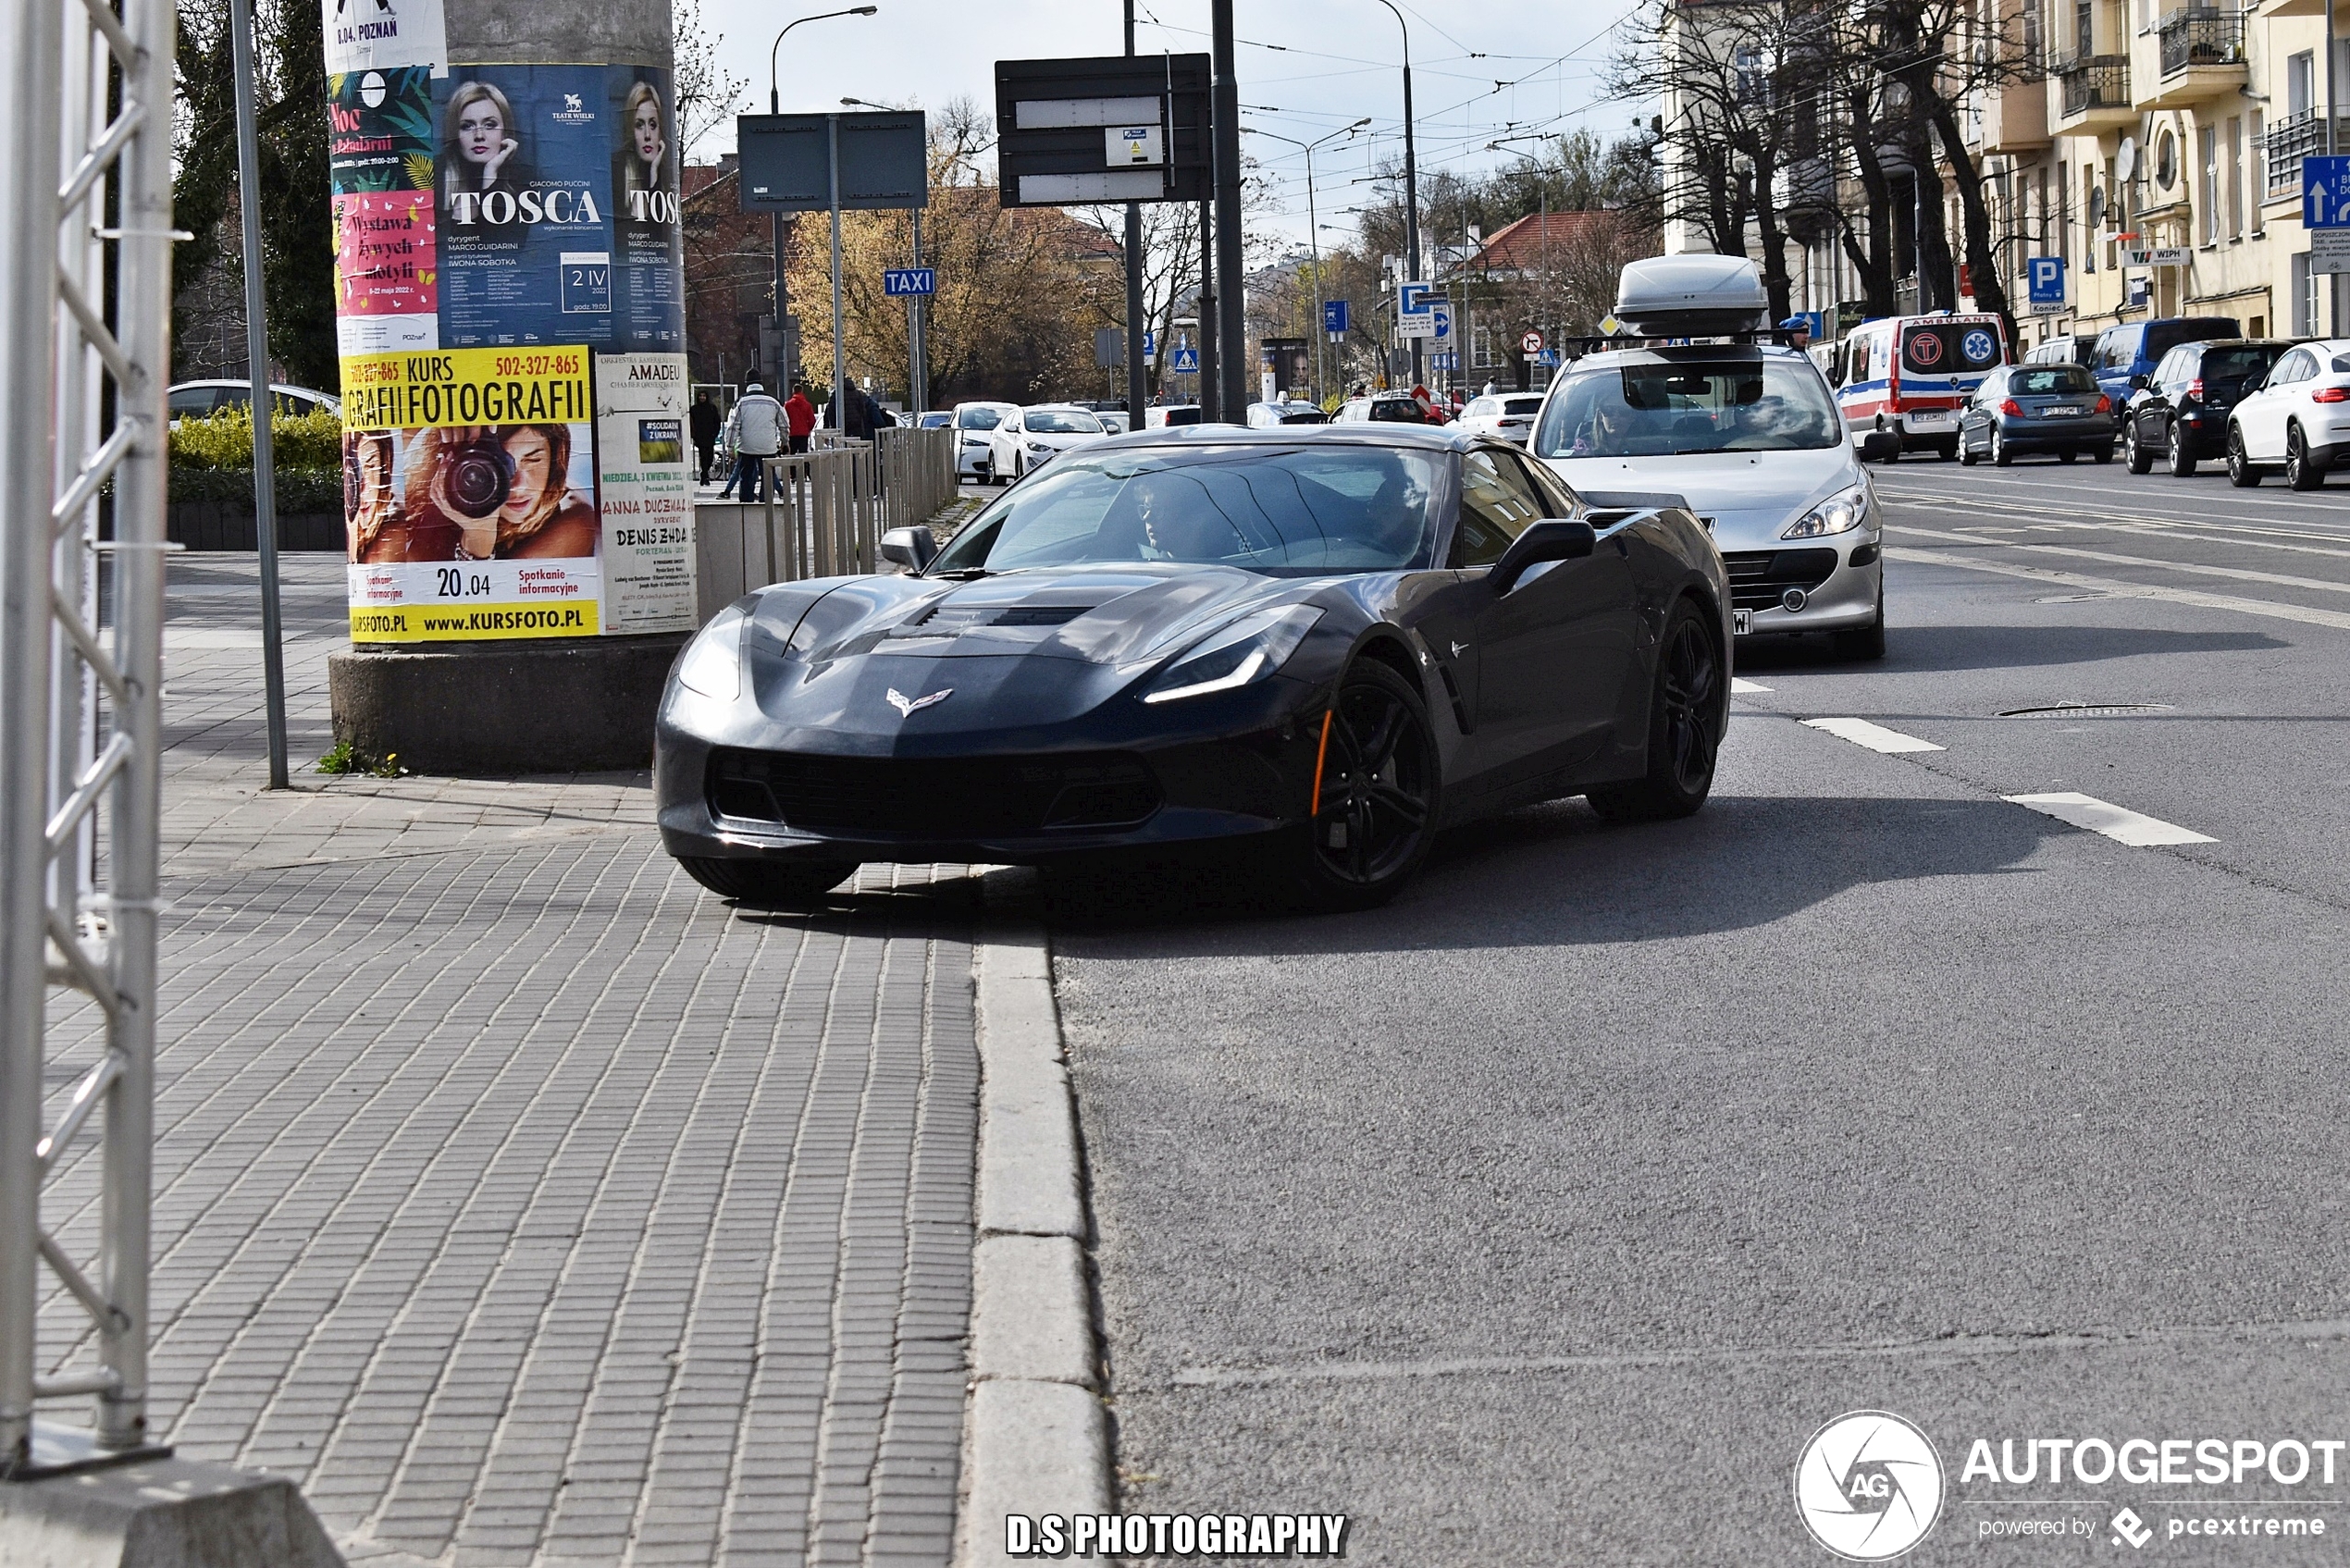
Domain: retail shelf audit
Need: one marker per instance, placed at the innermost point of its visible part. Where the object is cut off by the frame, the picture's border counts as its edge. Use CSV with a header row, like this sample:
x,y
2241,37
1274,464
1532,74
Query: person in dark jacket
x,y
704,422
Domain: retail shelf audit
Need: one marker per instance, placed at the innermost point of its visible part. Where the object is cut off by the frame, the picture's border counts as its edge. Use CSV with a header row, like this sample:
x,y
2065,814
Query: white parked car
x,y
1507,415
2298,420
1296,411
200,399
1030,437
973,421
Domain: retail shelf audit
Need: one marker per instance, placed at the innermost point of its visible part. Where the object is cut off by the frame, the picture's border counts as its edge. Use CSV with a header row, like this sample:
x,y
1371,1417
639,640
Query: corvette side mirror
x,y
1554,538
1881,446
912,547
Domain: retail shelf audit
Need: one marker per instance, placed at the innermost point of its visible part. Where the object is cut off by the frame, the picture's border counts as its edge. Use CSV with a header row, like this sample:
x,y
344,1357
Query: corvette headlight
x,y
713,662
1839,513
1248,649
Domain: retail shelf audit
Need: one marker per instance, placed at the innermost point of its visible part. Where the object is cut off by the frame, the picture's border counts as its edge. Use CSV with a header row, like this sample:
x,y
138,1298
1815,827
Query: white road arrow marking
x,y
1741,685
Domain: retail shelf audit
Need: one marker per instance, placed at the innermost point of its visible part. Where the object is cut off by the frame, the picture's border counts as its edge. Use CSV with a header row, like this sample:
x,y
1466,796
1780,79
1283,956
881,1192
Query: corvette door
x,y
1552,654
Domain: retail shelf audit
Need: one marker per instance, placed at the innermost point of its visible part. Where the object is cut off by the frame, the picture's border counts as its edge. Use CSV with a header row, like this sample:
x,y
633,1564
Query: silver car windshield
x,y
1276,509
1762,403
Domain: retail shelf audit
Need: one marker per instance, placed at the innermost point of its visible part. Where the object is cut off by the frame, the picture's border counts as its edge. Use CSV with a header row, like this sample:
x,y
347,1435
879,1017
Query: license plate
x,y
1741,623
1928,418
2064,411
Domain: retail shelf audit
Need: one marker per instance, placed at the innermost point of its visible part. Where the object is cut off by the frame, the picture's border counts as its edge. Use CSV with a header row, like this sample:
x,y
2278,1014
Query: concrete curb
x,y
1035,1434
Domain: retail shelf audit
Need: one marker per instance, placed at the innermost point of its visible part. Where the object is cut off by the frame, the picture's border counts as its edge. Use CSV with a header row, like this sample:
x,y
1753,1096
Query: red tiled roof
x,y
1518,246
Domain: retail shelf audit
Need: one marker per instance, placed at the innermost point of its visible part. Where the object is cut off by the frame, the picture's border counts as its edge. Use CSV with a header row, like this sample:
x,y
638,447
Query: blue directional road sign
x,y
2044,275
1187,360
1444,359
910,280
1442,310
1150,346
2325,192
1333,315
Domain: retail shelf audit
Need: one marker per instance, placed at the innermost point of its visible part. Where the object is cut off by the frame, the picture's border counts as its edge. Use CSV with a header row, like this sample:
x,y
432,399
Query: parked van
x,y
1912,374
2126,354
2065,348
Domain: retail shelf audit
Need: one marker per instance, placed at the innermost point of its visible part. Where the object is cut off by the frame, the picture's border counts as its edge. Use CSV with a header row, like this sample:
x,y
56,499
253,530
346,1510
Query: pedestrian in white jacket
x,y
756,428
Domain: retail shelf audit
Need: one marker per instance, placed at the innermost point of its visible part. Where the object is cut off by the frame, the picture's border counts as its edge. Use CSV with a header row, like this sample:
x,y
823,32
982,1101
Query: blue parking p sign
x,y
2045,276
2325,192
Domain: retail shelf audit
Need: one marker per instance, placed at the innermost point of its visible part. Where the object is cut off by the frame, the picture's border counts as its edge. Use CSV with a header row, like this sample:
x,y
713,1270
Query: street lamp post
x,y
1314,236
775,220
1411,181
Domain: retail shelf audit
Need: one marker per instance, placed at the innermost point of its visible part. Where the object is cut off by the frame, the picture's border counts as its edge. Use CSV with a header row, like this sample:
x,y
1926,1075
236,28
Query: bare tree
x,y
708,95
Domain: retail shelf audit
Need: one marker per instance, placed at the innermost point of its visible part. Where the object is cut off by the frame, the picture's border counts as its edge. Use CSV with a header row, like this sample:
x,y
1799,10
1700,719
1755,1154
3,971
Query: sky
x,y
1481,72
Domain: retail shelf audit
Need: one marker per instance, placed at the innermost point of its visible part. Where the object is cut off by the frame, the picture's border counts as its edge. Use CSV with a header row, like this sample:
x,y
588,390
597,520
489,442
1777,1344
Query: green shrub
x,y
298,491
224,440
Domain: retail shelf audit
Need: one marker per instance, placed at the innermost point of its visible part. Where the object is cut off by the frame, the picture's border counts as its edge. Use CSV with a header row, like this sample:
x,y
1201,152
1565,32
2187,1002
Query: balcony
x,y
2012,116
2093,91
2195,54
2295,138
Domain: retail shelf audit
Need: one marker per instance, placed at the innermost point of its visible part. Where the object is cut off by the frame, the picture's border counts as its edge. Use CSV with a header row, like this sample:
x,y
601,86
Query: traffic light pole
x,y
1134,325
1231,302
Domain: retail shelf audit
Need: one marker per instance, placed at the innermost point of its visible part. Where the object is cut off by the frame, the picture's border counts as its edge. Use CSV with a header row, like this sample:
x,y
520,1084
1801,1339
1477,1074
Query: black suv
x,y
2180,411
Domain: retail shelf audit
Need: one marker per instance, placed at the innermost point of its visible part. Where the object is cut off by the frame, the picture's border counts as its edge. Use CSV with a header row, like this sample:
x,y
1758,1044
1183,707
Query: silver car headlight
x,y
1840,514
1249,649
713,662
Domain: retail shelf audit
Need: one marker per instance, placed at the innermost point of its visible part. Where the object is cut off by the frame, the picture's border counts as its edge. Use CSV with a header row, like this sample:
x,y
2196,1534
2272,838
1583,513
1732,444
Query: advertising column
x,y
511,315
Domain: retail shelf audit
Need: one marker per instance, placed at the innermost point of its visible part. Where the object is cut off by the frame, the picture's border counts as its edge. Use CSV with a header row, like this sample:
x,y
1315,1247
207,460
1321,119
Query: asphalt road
x,y
1542,1216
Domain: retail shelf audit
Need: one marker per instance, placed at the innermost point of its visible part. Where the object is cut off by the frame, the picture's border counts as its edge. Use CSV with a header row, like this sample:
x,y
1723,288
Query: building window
x,y
2235,177
2259,171
2208,138
2300,84
2304,297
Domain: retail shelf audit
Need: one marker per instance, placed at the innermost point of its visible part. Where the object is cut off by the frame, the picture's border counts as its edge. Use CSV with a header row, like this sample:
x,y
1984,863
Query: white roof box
x,y
1692,295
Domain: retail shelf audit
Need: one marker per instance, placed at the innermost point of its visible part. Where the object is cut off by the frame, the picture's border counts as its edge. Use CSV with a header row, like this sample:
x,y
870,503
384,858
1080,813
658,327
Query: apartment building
x,y
2141,123
2180,126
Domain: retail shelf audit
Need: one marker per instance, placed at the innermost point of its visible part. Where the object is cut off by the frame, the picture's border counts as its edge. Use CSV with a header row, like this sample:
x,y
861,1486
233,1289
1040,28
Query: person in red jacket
x,y
801,415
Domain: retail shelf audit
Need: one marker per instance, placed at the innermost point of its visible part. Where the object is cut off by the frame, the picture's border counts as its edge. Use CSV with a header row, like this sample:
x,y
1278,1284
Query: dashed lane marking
x,y
1876,737
2117,823
2116,587
1742,686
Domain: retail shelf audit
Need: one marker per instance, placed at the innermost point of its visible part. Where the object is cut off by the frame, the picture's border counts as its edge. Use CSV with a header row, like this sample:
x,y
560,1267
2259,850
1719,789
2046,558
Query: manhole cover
x,y
2087,710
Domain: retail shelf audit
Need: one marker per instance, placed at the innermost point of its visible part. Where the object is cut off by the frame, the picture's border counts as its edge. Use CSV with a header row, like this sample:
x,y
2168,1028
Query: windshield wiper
x,y
961,575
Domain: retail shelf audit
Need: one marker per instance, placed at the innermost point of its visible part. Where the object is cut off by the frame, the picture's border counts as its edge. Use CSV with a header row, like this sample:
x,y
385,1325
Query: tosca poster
x,y
510,307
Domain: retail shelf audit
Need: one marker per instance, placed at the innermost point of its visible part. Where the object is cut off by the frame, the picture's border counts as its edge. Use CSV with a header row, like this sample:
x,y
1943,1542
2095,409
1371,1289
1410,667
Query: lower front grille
x,y
941,797
1759,576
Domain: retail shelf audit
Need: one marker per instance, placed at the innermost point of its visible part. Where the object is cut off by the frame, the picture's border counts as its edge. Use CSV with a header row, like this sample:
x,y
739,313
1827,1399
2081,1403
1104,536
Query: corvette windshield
x,y
1762,403
1276,510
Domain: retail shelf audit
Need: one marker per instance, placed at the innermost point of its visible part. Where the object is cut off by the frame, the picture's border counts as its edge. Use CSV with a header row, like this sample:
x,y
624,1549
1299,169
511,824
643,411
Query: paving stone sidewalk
x,y
519,1199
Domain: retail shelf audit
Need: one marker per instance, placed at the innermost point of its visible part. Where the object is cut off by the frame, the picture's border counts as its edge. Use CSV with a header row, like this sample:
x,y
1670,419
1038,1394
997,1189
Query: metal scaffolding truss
x,y
85,270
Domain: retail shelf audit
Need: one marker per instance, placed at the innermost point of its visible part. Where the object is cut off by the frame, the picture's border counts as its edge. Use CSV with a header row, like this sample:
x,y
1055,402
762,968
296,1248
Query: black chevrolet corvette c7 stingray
x,y
1334,640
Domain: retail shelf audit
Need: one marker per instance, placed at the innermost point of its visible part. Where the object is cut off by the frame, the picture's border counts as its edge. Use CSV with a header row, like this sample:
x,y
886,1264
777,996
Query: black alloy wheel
x,y
2300,472
1686,720
768,885
1375,813
2132,450
2182,454
2241,473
